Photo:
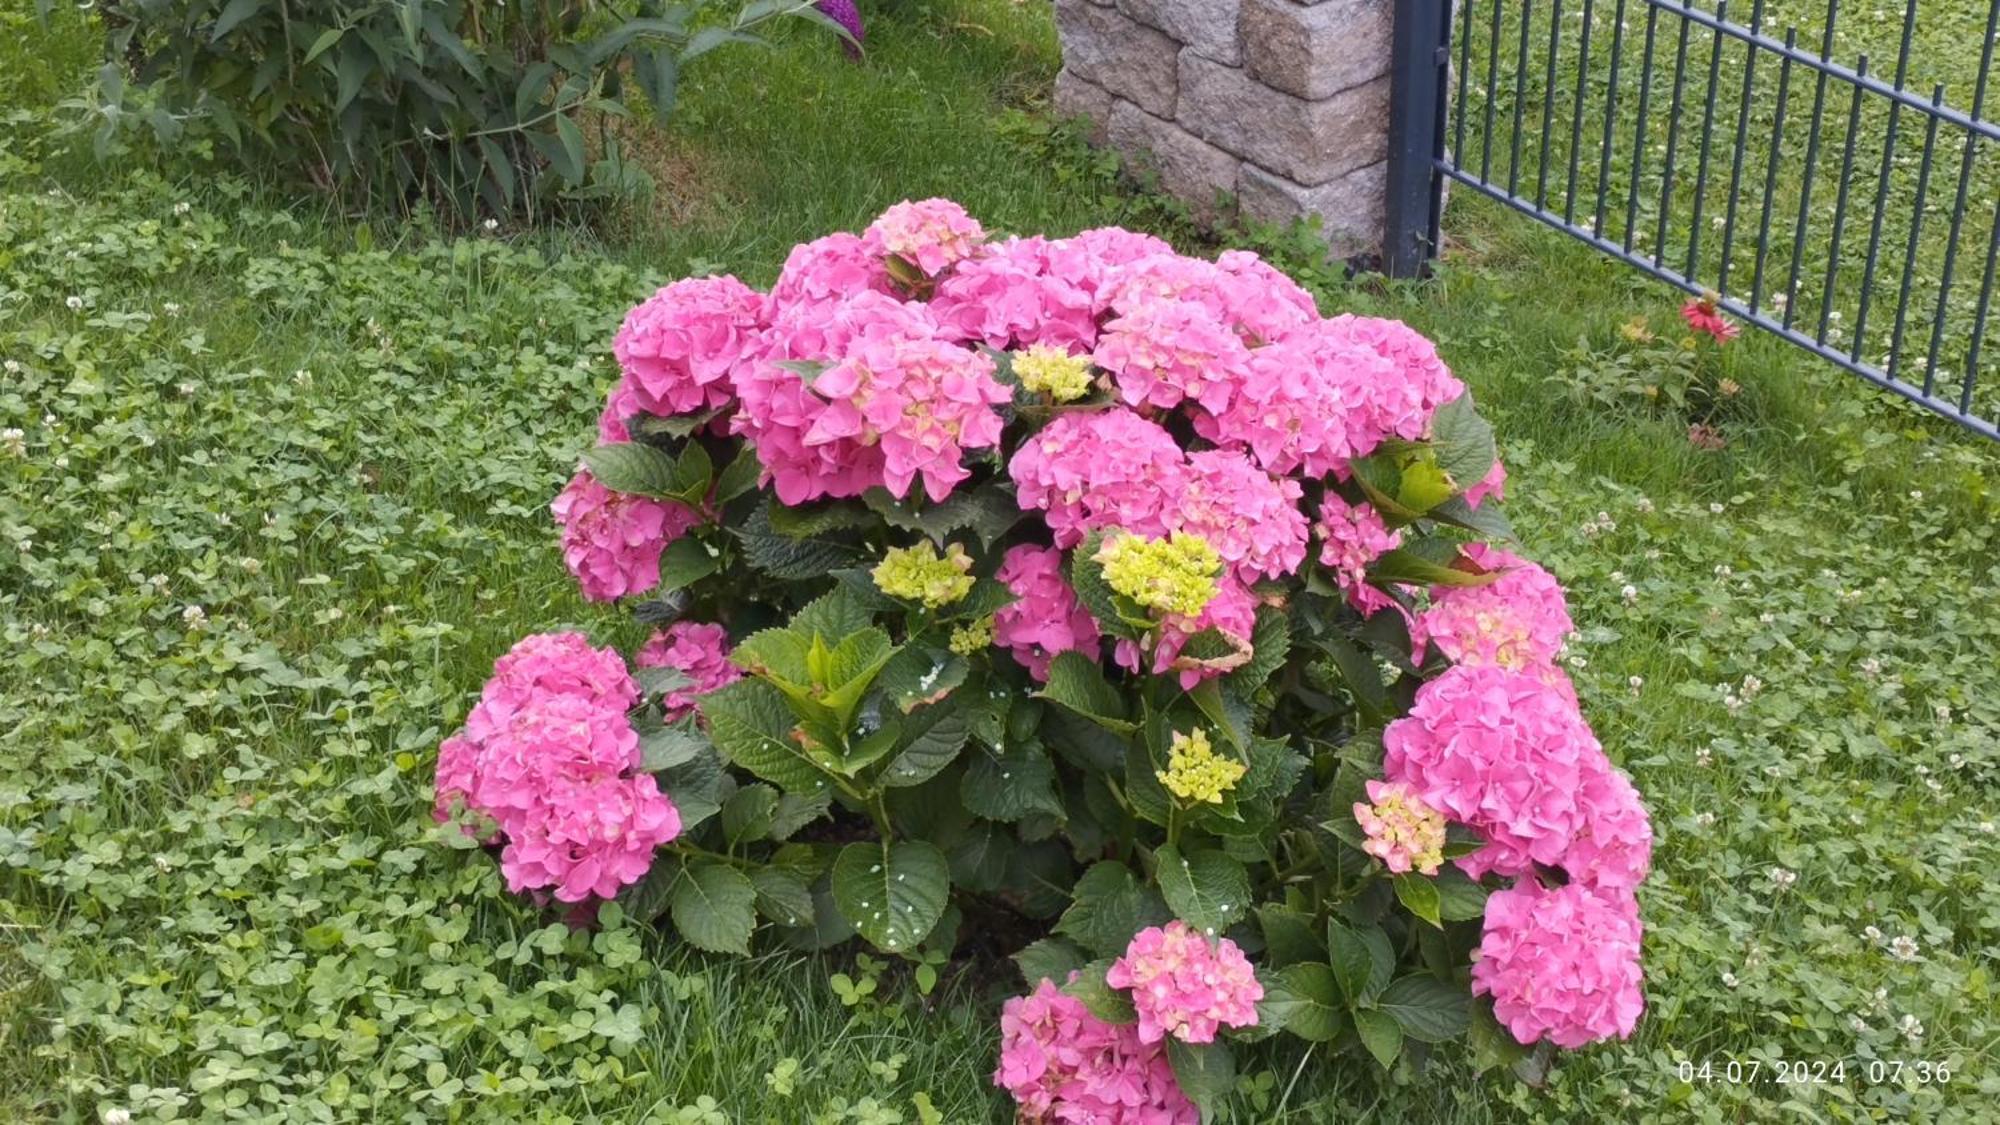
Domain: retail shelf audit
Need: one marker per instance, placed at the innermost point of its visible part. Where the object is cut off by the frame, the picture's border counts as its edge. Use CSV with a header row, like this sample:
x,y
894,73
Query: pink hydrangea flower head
x,y
590,837
611,541
1184,985
782,412
1089,470
1232,613
1010,296
1400,406
620,407
1064,1066
677,348
932,234
1613,847
549,759
1289,411
1164,352
1045,618
698,650
1262,302
1503,752
1493,484
1251,518
827,269
1403,832
923,402
1352,536
1519,620
1561,963
562,663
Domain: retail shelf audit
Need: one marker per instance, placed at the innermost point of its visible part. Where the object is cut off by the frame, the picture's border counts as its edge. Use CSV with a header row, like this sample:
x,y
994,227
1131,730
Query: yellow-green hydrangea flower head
x,y
1053,372
1195,772
918,574
1176,575
972,636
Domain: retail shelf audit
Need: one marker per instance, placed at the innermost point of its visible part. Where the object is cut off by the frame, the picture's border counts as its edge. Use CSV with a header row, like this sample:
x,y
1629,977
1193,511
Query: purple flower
x,y
844,13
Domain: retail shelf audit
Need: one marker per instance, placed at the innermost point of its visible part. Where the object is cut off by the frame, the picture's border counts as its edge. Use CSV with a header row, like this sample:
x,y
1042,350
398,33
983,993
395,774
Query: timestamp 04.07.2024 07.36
x,y
1807,1072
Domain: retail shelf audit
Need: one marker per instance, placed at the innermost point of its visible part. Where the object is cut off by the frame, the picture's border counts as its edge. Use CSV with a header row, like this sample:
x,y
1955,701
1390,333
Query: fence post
x,y
1418,69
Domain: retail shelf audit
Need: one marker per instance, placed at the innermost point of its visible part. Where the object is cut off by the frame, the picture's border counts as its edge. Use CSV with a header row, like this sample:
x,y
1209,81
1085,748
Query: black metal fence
x,y
1855,216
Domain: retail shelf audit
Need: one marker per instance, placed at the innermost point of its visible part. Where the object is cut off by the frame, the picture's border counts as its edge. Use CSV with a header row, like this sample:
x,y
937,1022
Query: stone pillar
x,y
1283,104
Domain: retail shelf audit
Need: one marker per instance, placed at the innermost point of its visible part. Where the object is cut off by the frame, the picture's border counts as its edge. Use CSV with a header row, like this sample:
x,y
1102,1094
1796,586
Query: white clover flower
x,y
250,566
74,302
1871,667
14,442
1635,683
183,207
1942,711
39,631
1872,933
1858,1025
491,225
1987,827
186,389
1715,509
1630,593
1911,1027
1904,947
1704,757
1704,819
171,308
13,367
1783,877
302,377
1644,504
1751,686
1724,570
1729,980
194,617
117,1115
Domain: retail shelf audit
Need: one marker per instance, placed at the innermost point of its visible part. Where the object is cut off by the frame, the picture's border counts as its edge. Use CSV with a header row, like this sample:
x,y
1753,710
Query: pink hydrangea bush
x,y
1049,575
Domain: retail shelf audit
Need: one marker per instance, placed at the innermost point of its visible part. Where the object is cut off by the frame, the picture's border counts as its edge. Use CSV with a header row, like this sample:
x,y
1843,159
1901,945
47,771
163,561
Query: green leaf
x,y
686,561
1012,783
1351,959
714,907
739,478
1051,959
1206,1072
1421,562
1307,1000
1459,898
1362,677
932,739
571,164
752,727
1419,896
1115,614
696,786
988,512
1270,644
649,897
748,813
1208,890
669,746
1207,695
788,558
1462,441
1381,1034
782,895
1426,1008
233,13
892,893
632,467
1076,682
324,40
1105,1002
1108,907
1289,936
795,811
1487,520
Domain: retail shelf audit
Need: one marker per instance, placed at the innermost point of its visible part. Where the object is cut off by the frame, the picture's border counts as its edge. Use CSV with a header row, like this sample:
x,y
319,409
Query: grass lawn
x,y
278,498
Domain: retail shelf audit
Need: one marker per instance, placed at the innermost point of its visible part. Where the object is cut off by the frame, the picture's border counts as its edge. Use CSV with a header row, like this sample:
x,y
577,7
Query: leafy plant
x,y
501,109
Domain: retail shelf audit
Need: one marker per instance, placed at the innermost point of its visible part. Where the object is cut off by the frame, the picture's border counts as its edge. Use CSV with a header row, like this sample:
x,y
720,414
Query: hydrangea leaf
x,y
1208,890
1289,936
932,738
1462,441
1105,1002
1108,906
786,558
1206,1072
1051,959
669,746
1426,1008
979,858
1305,999
752,725
795,811
632,467
1459,898
782,895
714,907
1381,1034
892,893
1010,783
748,813
686,561
1419,896
1076,682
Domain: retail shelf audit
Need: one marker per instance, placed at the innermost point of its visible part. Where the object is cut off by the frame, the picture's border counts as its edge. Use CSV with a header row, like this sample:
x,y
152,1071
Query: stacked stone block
x,y
1283,104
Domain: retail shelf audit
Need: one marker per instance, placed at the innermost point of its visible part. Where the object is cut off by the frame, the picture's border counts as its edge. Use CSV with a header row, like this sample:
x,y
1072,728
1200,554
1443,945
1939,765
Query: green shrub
x,y
470,107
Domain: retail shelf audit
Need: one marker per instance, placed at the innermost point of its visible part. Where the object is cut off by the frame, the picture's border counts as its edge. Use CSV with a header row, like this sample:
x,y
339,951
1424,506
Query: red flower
x,y
1702,316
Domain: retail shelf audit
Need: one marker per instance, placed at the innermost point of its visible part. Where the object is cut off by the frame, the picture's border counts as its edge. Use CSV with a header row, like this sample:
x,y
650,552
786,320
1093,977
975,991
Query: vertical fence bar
x,y
1742,136
1970,152
1464,68
1492,77
1610,118
1882,188
1639,144
1520,95
1673,142
1576,111
1811,167
1707,136
1776,158
1418,78
1840,204
1979,318
1548,102
1916,236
